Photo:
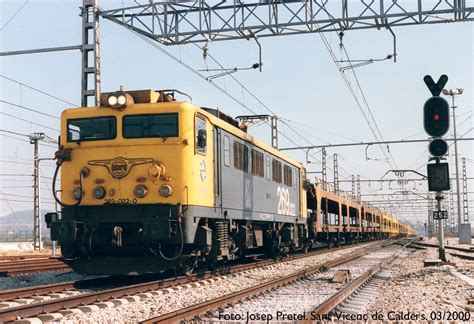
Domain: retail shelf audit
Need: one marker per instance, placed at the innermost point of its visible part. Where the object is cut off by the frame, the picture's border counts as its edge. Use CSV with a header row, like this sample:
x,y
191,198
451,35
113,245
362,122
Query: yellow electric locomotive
x,y
149,183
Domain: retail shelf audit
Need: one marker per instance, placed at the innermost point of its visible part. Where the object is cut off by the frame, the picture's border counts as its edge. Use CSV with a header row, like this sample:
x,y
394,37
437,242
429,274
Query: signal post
x,y
436,124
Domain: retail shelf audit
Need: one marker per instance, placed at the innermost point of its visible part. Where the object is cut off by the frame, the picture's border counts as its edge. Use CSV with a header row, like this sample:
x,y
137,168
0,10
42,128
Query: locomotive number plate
x,y
123,201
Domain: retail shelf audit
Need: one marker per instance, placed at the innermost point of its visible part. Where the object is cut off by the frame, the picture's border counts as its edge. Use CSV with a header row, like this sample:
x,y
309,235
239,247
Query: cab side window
x,y
201,135
226,150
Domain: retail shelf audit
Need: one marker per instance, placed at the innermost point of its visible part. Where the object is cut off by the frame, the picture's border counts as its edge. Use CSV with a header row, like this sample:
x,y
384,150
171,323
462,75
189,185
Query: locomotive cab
x,y
127,168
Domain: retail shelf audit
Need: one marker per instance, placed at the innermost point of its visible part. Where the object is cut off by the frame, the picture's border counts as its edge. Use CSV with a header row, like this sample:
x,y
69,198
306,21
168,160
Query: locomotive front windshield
x,y
150,125
91,129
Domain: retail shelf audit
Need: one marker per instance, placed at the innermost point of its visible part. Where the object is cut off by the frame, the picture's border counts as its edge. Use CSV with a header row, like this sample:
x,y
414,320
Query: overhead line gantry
x,y
181,22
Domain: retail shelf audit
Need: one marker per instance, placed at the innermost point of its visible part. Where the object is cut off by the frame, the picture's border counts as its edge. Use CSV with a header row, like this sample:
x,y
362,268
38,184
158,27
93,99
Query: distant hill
x,y
21,222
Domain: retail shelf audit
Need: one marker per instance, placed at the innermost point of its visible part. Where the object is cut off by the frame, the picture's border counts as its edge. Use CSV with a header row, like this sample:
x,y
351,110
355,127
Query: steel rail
x,y
36,290
5,258
32,269
332,302
31,310
18,267
20,263
27,292
446,247
462,256
190,312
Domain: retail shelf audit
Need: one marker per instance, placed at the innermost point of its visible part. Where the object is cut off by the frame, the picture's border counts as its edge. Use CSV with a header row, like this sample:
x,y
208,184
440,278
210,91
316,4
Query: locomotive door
x,y
218,157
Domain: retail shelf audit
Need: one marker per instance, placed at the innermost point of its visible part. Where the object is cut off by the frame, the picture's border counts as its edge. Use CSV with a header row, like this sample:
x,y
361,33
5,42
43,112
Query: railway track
x,y
469,256
30,265
87,298
462,256
6,258
447,247
192,312
355,297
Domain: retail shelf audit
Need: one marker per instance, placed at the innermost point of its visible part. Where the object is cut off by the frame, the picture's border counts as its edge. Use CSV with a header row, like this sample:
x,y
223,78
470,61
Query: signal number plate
x,y
440,214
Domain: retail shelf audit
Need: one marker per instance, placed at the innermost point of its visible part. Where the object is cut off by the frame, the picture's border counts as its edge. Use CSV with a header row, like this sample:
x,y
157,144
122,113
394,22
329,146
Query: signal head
x,y
436,116
438,147
438,177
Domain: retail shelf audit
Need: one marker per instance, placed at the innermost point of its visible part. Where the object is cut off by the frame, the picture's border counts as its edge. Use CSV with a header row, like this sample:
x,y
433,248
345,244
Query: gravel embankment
x,y
419,290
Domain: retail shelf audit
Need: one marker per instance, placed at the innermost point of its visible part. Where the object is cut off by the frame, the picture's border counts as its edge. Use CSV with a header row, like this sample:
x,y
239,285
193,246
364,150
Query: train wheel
x,y
188,266
68,251
305,248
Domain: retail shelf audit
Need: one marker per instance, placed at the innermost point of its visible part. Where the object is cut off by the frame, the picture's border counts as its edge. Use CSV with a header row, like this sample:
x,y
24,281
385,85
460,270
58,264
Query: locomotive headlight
x,y
99,192
122,100
77,193
166,190
140,191
112,100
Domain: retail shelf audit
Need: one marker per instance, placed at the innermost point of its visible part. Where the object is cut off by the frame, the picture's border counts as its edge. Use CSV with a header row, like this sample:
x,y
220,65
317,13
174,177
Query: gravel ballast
x,y
38,279
302,296
170,299
418,290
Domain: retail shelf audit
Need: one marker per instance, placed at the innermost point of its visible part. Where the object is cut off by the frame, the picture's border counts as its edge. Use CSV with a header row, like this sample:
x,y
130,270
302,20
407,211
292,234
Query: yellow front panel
x,y
164,161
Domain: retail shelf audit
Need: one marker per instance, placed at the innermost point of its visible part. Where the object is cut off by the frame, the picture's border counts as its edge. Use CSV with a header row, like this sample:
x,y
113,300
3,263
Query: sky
x,y
299,83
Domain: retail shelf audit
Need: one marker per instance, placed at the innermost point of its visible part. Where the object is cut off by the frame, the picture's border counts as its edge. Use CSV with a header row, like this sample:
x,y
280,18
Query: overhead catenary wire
x,y
23,196
29,109
262,104
38,90
348,84
202,76
368,107
27,201
224,90
351,90
14,15
29,121
26,141
12,132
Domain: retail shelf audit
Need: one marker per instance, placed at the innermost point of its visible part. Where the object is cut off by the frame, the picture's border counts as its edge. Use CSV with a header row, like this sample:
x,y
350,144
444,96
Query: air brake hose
x,y
58,165
180,250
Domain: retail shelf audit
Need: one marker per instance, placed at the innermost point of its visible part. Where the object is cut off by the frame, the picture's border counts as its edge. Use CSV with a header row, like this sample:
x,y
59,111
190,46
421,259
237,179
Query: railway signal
x,y
436,124
436,115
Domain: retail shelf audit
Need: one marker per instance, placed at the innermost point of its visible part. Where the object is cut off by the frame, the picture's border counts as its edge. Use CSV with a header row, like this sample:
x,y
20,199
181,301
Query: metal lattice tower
x,y
431,228
465,201
451,208
274,125
181,22
34,139
324,170
353,192
90,52
359,194
336,174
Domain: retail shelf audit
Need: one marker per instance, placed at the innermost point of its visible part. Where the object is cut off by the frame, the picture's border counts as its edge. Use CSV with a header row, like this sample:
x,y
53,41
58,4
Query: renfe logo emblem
x,y
120,167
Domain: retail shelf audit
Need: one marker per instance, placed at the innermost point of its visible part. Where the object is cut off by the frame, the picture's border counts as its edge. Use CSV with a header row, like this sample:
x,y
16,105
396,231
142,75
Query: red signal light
x,y
436,116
